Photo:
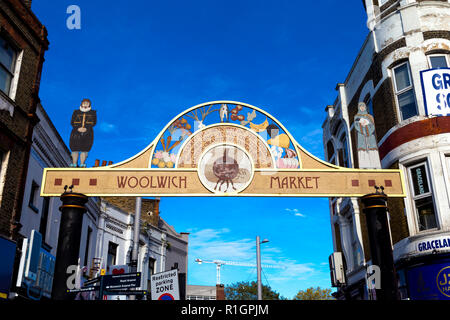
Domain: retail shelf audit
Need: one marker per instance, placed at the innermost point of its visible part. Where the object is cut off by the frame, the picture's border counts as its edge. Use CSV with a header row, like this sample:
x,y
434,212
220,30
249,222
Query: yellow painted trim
x,y
256,195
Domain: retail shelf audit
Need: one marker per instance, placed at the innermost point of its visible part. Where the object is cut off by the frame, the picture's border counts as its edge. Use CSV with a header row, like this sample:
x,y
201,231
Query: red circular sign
x,y
166,296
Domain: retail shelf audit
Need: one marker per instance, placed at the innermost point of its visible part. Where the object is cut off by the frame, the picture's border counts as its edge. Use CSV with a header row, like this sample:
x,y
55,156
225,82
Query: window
x,y
34,194
343,152
44,217
404,91
112,254
369,104
422,197
88,243
151,271
7,65
438,61
330,151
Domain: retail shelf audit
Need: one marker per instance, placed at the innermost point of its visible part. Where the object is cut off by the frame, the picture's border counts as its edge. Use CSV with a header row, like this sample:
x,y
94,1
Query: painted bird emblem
x,y
225,169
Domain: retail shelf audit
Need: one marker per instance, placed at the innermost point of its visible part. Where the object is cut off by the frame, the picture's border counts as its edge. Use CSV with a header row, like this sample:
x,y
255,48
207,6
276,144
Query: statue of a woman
x,y
366,140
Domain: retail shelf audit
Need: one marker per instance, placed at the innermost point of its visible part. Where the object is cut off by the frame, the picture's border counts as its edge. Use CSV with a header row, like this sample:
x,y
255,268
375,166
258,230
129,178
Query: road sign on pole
x,y
164,286
122,281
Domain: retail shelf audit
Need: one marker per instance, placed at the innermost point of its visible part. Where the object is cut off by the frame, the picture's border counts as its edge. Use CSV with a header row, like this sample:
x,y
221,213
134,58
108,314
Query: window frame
x,y
414,197
447,59
34,192
397,93
343,141
333,157
116,247
13,71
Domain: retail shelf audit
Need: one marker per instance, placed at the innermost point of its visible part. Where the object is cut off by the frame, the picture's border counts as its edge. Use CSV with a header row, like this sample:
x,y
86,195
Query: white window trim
x,y
334,155
15,79
445,160
397,93
414,214
435,55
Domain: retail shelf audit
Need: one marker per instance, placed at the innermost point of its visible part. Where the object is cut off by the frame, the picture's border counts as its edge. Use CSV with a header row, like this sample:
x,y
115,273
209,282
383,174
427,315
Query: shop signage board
x,y
430,281
223,148
7,252
436,91
164,285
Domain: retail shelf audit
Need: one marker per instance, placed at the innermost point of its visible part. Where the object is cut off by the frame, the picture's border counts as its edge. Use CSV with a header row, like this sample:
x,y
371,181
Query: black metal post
x,y
67,254
375,210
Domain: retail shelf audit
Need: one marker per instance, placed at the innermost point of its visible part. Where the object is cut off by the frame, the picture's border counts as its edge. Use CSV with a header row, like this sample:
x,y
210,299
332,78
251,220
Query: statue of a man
x,y
82,136
366,140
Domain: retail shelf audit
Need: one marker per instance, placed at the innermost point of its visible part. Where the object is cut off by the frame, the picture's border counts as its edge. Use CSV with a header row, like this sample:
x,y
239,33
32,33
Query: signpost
x,y
122,281
164,286
119,284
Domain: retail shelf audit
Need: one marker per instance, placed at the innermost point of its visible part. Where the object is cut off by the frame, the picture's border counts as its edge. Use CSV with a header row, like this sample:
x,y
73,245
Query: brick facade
x,y
128,204
22,30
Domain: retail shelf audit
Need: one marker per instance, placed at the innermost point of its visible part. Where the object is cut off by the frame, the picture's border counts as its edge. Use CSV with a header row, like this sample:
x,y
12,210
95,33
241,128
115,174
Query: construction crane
x,y
220,263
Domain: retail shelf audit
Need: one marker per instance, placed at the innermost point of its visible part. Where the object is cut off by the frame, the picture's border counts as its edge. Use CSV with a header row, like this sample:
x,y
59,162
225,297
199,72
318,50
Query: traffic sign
x,y
164,286
125,292
122,281
81,290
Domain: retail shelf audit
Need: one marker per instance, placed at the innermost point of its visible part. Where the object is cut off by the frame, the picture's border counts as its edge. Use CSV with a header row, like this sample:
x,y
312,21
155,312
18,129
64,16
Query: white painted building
x,y
405,38
160,246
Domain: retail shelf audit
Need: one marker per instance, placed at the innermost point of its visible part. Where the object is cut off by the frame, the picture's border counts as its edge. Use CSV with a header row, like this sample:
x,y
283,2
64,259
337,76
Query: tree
x,y
314,294
249,291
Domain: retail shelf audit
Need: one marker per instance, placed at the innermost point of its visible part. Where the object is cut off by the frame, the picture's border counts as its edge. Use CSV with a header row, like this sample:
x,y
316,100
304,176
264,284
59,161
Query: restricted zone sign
x,y
223,148
164,286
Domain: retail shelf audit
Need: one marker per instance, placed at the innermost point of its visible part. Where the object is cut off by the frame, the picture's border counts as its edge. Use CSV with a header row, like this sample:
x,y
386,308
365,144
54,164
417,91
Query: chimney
x,y
330,111
27,3
220,292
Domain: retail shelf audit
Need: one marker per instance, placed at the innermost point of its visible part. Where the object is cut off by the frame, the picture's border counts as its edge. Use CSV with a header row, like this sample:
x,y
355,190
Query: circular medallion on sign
x,y
225,169
166,296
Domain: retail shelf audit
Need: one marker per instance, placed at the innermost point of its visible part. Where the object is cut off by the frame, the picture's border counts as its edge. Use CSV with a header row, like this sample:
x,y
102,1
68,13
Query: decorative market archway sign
x,y
223,148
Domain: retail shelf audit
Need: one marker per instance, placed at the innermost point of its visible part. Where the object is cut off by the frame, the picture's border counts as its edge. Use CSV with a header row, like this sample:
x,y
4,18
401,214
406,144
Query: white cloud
x,y
218,244
295,212
107,127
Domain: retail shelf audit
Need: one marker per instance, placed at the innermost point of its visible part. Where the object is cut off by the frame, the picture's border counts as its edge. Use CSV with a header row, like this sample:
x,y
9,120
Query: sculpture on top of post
x,y
366,140
82,135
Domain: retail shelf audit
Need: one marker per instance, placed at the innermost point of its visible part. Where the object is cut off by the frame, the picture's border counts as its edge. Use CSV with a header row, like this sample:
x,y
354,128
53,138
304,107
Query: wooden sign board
x,y
223,159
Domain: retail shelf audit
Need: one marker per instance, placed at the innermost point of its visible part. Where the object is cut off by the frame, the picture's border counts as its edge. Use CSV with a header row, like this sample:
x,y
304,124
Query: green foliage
x,y
314,294
249,291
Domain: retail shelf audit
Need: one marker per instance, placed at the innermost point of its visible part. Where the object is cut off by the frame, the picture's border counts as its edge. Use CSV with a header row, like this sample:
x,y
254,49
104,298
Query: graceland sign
x,y
223,148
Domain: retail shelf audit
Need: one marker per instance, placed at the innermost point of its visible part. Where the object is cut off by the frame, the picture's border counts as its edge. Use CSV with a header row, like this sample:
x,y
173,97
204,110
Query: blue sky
x,y
143,62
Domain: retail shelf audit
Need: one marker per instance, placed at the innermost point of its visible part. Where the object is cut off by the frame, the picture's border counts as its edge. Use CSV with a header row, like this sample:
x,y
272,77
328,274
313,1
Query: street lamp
x,y
258,264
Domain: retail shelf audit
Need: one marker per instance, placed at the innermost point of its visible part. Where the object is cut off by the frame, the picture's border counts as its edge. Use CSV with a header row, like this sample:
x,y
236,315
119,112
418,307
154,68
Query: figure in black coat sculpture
x,y
82,136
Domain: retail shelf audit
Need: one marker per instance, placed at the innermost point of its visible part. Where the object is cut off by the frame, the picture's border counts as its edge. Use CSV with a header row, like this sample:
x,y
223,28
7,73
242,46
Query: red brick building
x,y
405,38
23,42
